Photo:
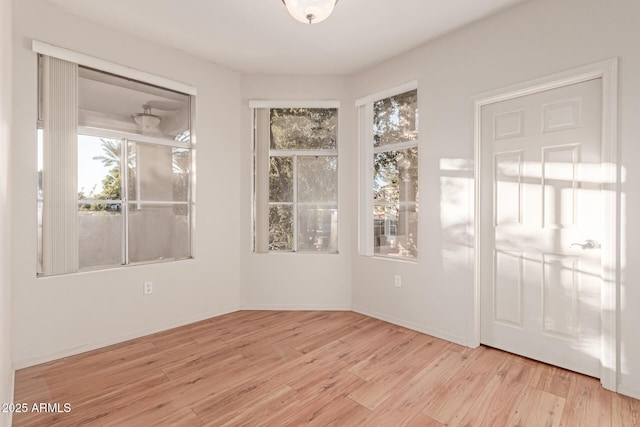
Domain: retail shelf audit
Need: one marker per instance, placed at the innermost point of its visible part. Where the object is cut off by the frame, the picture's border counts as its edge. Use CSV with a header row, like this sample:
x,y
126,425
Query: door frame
x,y
609,309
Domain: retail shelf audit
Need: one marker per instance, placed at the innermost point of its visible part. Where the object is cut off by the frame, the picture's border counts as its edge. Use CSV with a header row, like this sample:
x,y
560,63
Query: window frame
x,y
366,229
126,201
125,138
294,154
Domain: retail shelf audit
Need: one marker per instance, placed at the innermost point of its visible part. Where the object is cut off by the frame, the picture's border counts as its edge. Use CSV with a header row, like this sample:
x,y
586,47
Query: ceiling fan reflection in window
x,y
149,123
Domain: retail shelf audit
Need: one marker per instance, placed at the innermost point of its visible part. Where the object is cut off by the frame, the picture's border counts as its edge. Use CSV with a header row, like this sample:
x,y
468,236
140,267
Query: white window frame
x,y
254,105
110,67
366,167
84,60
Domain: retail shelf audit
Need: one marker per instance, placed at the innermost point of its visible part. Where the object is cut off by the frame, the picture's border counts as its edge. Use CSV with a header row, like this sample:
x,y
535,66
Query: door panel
x,y
541,193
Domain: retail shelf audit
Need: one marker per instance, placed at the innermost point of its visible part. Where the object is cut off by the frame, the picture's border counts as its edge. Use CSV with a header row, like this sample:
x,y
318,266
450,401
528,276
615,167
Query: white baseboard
x,y
32,361
296,307
629,392
414,326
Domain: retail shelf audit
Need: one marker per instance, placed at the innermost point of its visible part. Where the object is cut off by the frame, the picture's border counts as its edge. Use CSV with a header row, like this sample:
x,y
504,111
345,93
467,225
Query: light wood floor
x,y
267,368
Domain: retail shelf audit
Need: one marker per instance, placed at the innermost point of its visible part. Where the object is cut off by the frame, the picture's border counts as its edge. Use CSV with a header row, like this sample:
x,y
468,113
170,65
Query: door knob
x,y
588,244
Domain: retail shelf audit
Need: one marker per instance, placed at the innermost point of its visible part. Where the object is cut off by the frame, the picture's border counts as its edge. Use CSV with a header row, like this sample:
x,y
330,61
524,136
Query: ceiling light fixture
x,y
310,11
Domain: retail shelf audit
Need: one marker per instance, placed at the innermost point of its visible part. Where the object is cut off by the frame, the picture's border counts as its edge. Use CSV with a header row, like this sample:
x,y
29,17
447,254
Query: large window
x,y
296,180
390,141
114,171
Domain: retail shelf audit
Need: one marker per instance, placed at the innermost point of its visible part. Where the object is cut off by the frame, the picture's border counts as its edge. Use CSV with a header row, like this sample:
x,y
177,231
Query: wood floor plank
x,y
393,375
257,408
341,411
625,410
552,379
496,403
379,359
117,403
537,408
286,368
452,400
421,420
163,416
587,404
317,403
406,403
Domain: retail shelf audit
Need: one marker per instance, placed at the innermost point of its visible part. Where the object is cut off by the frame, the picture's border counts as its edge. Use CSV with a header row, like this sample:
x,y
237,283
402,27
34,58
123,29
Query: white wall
x,y
56,316
60,315
6,368
287,280
534,39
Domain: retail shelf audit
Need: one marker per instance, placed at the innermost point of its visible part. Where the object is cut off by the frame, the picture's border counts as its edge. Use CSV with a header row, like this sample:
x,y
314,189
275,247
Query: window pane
x,y
98,168
40,197
318,228
110,102
100,235
318,179
395,230
158,232
395,176
281,227
303,128
40,248
158,173
281,179
395,119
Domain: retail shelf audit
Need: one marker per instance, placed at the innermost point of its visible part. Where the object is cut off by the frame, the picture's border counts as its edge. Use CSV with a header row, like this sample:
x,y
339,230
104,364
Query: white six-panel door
x,y
541,211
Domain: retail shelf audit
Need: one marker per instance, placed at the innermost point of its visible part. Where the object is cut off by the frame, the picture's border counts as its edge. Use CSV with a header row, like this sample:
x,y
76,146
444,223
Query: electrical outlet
x,y
148,288
397,281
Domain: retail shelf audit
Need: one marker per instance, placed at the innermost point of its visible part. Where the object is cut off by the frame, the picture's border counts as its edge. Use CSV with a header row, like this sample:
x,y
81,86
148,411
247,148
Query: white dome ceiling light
x,y
146,121
310,11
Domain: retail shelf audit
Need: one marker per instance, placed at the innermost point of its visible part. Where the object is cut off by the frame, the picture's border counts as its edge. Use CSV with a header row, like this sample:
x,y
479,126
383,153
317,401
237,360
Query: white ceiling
x,y
259,36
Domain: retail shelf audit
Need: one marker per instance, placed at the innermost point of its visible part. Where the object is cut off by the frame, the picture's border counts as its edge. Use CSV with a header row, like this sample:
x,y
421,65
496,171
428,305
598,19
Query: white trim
x,y
396,90
303,153
131,137
411,325
395,258
396,146
409,203
260,103
155,202
260,178
365,180
110,67
622,389
192,177
296,307
608,71
294,209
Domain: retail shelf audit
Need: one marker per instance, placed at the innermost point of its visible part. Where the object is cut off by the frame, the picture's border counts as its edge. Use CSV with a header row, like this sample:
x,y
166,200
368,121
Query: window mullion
x,y
124,195
366,181
261,194
309,153
131,136
295,203
395,146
